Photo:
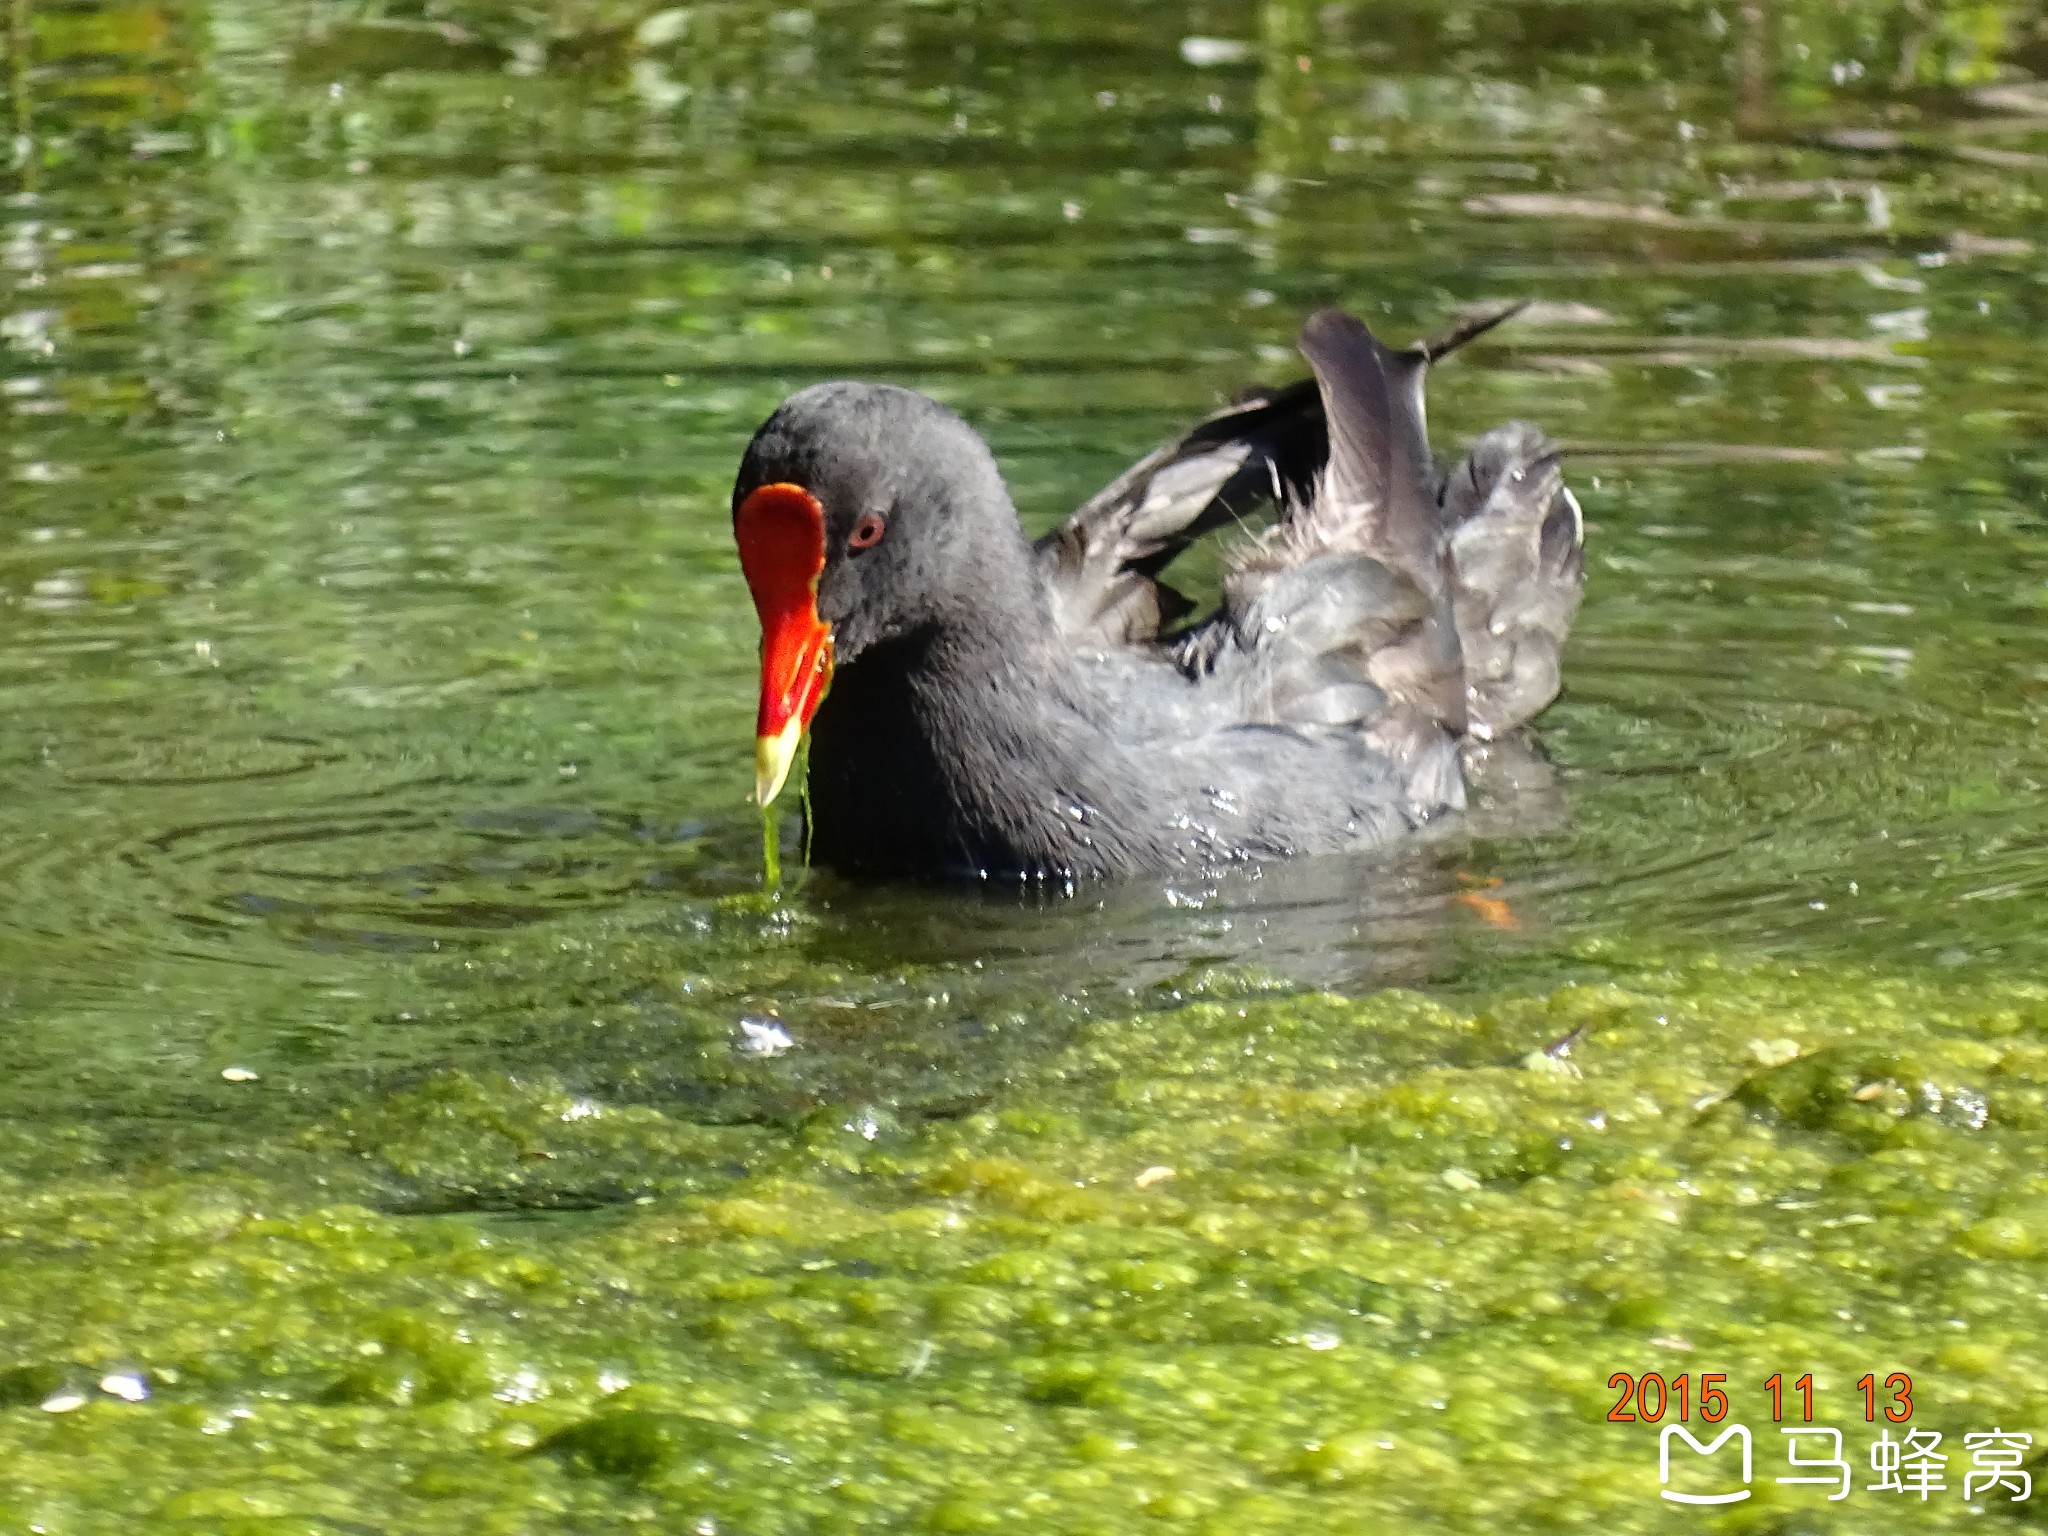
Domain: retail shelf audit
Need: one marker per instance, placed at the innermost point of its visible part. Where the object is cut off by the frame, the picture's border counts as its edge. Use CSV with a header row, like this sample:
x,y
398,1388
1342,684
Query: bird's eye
x,y
867,533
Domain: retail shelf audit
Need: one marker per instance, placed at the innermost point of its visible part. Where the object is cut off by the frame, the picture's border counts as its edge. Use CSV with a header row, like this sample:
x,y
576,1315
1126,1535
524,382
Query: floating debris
x,y
1206,52
126,1385
239,1075
1158,1173
1562,1046
1963,245
762,1035
1491,909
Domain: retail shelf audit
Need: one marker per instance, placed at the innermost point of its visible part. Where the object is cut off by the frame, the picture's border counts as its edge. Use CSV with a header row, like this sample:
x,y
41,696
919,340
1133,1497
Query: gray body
x,y
1019,711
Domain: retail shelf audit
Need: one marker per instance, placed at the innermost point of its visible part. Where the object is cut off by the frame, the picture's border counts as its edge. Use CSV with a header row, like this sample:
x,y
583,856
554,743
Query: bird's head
x,y
863,513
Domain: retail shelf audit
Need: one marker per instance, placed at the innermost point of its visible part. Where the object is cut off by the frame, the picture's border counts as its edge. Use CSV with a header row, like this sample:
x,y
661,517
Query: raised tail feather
x,y
1103,564
1420,610
1374,508
1516,561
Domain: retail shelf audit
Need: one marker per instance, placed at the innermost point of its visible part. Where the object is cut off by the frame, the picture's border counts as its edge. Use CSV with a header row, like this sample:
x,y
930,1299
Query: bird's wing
x,y
1102,565
1375,502
1268,447
1354,609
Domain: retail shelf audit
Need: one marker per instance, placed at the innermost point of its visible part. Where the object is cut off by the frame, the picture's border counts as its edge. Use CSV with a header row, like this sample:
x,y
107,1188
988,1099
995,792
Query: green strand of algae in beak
x,y
771,851
771,828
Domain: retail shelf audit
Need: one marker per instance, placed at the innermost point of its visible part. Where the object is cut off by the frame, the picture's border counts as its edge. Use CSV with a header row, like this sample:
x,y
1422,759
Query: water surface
x,y
378,673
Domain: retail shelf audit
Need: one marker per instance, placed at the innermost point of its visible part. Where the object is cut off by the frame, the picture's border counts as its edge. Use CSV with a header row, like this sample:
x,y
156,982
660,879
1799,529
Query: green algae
x,y
1256,1262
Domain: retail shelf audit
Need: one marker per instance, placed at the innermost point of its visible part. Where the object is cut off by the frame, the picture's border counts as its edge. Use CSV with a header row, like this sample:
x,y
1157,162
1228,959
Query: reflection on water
x,y
374,380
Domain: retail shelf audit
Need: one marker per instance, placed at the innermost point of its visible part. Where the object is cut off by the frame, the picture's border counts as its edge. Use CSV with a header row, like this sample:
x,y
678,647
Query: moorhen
x,y
982,705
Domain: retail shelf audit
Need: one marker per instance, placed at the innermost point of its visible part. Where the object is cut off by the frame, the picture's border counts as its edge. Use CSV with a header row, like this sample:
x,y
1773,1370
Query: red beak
x,y
780,530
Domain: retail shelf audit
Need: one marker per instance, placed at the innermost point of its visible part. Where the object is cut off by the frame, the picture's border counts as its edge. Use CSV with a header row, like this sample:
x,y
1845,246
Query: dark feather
x,y
1374,493
1266,448
1096,564
1383,599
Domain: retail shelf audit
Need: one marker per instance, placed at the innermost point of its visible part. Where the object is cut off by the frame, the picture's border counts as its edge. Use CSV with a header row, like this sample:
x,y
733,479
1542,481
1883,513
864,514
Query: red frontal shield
x,y
780,530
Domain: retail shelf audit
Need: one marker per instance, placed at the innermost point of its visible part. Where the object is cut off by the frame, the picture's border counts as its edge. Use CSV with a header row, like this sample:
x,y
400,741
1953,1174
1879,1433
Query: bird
x,y
986,707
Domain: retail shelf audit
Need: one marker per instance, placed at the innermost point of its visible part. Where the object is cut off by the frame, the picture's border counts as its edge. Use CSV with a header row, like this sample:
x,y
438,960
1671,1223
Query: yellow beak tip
x,y
773,756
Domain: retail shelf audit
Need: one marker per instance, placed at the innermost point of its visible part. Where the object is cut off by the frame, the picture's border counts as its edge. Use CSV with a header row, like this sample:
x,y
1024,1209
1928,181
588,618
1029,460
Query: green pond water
x,y
382,899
